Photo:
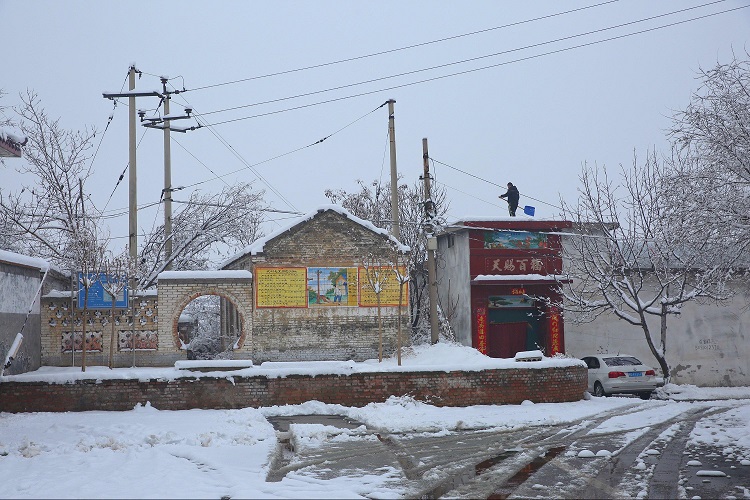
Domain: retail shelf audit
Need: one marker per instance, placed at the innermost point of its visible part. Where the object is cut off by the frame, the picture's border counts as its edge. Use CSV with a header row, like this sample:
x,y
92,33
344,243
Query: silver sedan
x,y
620,374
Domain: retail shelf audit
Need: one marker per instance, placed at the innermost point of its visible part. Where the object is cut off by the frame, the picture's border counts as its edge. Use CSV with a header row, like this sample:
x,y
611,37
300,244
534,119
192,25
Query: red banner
x,y
555,333
481,344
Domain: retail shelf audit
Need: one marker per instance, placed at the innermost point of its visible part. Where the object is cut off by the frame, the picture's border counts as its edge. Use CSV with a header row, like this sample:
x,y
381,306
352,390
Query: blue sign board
x,y
98,297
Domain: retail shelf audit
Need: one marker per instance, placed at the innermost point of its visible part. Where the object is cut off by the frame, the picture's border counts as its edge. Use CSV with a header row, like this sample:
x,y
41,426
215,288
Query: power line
x,y
462,61
488,182
319,141
122,211
390,51
482,68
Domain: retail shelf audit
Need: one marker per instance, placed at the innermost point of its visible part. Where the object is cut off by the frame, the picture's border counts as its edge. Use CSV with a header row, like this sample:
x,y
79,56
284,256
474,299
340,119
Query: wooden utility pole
x,y
396,231
429,208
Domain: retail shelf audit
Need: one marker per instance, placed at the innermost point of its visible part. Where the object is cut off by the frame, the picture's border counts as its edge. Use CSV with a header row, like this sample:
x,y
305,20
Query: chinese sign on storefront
x,y
516,265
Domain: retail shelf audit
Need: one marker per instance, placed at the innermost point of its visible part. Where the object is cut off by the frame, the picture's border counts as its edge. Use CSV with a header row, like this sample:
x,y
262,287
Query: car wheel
x,y
645,395
599,390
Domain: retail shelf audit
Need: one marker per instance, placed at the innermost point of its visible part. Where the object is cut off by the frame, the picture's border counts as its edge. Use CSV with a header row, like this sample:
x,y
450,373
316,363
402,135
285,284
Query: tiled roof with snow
x,y
258,246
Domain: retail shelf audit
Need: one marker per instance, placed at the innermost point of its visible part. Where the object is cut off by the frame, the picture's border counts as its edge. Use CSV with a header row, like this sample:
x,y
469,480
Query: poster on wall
x,y
281,286
389,287
502,301
511,240
331,286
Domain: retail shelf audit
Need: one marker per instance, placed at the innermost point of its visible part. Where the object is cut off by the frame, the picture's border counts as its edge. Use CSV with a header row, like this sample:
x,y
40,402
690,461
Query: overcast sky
x,y
527,117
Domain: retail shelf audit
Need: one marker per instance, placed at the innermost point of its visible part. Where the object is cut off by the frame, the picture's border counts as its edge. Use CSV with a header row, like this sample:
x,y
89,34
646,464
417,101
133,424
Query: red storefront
x,y
514,268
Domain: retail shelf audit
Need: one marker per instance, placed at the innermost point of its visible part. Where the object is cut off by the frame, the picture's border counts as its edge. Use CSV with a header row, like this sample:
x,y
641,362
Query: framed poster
x,y
280,287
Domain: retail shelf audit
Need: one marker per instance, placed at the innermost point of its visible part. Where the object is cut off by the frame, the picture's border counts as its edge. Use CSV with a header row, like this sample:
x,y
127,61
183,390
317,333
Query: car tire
x,y
599,390
645,395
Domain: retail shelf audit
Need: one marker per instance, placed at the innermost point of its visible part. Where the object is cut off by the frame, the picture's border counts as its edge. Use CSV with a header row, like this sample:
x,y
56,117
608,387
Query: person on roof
x,y
511,196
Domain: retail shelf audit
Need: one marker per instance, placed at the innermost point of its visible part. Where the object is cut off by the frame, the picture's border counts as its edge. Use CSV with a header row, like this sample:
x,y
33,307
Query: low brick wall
x,y
458,388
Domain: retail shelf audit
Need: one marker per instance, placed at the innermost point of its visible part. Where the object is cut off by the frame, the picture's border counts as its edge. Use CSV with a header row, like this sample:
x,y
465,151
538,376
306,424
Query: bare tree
x,y
114,275
231,218
88,256
41,219
372,202
715,127
711,141
636,256
401,274
377,273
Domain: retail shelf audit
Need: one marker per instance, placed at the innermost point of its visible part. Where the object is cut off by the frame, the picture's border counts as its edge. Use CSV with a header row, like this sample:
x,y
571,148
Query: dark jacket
x,y
512,195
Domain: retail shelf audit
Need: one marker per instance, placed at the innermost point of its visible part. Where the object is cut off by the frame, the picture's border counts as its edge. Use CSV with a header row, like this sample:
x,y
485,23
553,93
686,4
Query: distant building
x,y
10,144
497,279
20,281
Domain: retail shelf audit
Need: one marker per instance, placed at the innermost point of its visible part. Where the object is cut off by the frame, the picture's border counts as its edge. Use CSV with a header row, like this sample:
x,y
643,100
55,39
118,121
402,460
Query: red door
x,y
506,339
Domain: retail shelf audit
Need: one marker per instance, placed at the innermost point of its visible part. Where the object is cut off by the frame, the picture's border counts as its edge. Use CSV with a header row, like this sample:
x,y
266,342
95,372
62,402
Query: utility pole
x,y
167,183
396,231
132,178
429,208
131,94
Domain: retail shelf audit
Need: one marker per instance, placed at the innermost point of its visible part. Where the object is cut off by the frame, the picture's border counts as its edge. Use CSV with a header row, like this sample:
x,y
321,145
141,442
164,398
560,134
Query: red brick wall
x,y
510,386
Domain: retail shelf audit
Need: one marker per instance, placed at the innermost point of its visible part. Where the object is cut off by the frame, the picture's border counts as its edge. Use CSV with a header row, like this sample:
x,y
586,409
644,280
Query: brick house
x,y
302,293
312,299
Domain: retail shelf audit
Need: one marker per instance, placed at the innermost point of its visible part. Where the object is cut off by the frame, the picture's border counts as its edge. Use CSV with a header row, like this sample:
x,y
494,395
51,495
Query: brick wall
x,y
175,294
58,324
329,239
507,386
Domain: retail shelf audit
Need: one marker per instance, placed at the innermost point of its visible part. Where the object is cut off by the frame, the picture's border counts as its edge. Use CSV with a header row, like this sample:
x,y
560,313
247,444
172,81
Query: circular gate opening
x,y
209,327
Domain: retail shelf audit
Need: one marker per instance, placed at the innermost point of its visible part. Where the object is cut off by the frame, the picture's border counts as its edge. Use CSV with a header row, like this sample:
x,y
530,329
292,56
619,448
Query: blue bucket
x,y
529,210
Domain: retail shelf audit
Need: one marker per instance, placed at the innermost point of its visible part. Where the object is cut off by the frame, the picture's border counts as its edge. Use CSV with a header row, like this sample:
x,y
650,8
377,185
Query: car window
x,y
591,362
622,361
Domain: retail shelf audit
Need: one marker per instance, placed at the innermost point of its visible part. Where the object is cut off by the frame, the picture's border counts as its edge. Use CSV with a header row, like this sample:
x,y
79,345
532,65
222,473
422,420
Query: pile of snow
x,y
693,393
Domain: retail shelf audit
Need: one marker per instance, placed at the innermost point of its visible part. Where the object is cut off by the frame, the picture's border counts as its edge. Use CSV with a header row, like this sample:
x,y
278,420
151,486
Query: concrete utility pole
x,y
396,231
167,183
429,208
132,178
131,94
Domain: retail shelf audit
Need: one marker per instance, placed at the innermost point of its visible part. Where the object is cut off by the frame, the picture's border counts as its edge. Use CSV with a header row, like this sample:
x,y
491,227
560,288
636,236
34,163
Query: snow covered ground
x,y
151,453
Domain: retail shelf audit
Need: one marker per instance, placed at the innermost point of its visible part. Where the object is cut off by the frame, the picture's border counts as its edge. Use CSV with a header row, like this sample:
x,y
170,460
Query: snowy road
x,y
595,448
642,450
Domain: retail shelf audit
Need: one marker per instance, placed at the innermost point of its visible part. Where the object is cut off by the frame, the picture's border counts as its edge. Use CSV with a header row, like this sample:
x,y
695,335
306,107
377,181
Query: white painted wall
x,y
453,274
707,345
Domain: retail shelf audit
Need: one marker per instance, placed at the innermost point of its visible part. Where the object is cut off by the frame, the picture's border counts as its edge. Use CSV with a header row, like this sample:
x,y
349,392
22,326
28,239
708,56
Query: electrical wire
x,y
319,141
488,182
481,68
463,61
390,51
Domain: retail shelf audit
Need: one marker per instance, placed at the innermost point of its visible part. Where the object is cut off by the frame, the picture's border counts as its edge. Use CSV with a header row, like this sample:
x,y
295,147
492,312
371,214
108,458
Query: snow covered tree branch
x,y
637,256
